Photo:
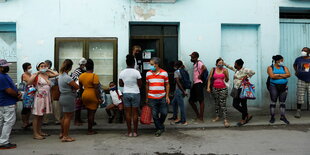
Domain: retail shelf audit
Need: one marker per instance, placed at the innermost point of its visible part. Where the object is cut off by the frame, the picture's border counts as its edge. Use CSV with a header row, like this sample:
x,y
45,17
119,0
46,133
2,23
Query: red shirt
x,y
157,83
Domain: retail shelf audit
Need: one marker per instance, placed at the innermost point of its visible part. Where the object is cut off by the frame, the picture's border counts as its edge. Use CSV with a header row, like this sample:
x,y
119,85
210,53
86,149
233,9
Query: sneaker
x,y
181,122
283,118
272,120
172,118
158,133
297,115
8,146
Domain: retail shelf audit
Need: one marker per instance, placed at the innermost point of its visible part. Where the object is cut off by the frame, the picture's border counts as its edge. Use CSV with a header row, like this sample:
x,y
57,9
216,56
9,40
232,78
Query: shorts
x,y
67,102
131,100
196,93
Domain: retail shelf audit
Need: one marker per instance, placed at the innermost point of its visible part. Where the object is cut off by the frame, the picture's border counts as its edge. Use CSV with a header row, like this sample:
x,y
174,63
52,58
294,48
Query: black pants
x,y
243,108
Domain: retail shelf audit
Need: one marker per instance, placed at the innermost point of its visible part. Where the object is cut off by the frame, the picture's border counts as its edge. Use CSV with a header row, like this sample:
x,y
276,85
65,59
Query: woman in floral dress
x,y
42,100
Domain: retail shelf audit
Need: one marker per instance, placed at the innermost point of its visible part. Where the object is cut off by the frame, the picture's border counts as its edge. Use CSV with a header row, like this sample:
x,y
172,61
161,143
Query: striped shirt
x,y
157,83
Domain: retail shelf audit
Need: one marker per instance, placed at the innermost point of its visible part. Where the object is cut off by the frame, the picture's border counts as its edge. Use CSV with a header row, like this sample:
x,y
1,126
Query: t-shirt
x,y
303,69
115,98
63,82
5,98
130,77
177,74
197,72
157,83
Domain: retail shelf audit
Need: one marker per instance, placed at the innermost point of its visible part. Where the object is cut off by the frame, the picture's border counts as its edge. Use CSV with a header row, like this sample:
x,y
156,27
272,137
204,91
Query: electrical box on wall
x,y
155,1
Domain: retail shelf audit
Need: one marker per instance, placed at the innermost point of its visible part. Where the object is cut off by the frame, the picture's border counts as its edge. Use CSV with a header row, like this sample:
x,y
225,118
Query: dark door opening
x,y
156,40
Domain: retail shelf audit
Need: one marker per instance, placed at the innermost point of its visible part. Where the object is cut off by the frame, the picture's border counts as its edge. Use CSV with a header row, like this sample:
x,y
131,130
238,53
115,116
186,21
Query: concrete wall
x,y
39,22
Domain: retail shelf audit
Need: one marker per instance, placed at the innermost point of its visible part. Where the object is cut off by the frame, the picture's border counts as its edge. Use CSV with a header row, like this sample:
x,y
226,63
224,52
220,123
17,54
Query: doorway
x,y
156,40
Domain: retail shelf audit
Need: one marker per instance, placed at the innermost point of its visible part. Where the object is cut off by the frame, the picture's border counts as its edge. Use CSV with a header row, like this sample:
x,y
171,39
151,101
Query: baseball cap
x,y
4,63
195,54
83,61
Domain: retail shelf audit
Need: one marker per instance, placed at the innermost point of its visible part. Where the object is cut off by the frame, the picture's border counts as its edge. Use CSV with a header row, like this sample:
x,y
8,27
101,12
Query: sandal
x,y
60,136
129,134
248,118
226,124
67,139
135,134
39,138
45,134
92,132
216,119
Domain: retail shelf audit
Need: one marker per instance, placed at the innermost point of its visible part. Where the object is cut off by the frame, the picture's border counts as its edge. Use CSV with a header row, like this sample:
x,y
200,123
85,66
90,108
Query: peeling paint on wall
x,y
144,13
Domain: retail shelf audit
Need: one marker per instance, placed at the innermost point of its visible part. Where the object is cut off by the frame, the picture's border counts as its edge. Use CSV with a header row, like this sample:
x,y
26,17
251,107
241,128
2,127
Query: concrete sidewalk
x,y
259,119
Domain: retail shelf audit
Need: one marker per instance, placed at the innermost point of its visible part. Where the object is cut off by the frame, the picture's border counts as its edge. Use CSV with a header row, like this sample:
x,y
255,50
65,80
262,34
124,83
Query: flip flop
x,y
39,138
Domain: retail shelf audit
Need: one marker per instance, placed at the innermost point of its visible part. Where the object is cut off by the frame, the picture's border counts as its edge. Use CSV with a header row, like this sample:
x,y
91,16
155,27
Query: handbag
x,y
146,115
247,90
234,92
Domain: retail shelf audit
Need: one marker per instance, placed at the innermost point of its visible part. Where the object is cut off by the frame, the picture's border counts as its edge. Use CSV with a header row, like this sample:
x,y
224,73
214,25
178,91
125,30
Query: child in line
x,y
117,103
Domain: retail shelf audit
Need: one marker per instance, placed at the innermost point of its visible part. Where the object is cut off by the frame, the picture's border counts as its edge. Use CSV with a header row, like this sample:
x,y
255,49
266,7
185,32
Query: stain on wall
x,y
144,14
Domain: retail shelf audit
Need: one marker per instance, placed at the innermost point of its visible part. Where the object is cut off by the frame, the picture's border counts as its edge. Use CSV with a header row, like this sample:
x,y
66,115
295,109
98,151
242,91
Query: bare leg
x,y
194,108
135,120
202,109
128,111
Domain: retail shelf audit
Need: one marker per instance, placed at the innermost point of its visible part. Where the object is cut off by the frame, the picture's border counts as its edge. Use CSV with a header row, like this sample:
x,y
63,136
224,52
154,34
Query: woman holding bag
x,y
278,86
218,88
241,73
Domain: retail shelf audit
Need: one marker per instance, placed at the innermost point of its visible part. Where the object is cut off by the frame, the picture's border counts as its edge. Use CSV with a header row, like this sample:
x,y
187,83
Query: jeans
x,y
7,121
131,100
159,106
176,102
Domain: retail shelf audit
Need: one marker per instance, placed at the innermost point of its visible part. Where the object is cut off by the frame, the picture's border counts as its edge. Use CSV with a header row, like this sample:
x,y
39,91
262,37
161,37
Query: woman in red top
x,y
219,90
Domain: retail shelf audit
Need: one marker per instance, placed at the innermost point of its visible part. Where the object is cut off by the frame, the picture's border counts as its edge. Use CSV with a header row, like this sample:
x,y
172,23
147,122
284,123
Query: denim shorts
x,y
131,100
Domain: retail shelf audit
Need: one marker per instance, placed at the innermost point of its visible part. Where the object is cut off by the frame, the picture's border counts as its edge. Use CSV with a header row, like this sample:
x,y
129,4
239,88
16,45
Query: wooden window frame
x,y
86,41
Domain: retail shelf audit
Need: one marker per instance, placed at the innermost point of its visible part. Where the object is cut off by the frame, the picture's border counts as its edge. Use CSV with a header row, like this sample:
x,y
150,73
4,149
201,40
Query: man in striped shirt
x,y
157,88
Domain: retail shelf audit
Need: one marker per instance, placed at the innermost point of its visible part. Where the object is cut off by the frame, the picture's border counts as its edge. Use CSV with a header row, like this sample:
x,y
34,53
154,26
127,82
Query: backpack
x,y
268,79
186,82
204,76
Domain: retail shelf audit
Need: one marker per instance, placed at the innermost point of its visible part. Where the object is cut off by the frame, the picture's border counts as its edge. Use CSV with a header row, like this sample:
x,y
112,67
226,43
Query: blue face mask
x,y
153,68
113,89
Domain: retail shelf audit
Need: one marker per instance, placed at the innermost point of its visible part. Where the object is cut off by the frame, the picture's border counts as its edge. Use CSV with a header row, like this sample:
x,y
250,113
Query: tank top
x,y
278,71
219,80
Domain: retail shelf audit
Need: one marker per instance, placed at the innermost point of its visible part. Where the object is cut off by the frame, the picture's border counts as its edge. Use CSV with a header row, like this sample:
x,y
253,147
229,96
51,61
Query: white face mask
x,y
29,71
303,53
281,63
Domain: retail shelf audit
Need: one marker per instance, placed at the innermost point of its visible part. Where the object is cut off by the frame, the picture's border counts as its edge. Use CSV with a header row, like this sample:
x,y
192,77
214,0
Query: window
x,y
8,47
103,51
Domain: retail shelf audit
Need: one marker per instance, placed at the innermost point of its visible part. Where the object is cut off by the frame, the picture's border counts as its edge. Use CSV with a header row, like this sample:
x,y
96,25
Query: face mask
x,y
192,60
220,66
235,67
281,63
113,89
175,68
6,69
29,71
303,53
43,70
153,68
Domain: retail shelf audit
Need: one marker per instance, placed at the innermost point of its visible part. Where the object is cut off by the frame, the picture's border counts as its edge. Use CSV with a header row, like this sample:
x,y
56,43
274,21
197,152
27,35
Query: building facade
x,y
104,30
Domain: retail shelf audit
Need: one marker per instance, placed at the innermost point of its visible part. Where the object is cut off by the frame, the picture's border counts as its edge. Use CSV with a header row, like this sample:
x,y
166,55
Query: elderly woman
x,y
42,100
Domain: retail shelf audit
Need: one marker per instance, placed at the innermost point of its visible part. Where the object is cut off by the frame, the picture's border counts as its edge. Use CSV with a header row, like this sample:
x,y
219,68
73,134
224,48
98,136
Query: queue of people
x,y
82,90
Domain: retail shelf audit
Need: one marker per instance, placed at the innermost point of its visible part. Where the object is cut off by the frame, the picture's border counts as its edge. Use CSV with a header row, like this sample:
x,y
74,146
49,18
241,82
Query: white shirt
x,y
115,99
130,77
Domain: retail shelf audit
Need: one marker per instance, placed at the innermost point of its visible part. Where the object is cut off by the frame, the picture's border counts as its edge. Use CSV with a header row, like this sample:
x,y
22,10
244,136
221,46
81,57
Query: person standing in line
x,y
78,103
8,98
278,74
54,96
42,100
67,87
219,90
136,49
241,73
91,94
197,90
27,97
179,94
130,79
302,72
157,88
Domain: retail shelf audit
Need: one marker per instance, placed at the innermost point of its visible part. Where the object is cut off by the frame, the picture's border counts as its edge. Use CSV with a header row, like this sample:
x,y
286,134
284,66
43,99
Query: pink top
x,y
219,80
197,72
